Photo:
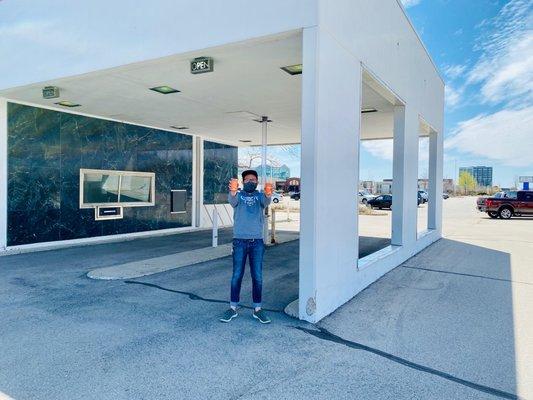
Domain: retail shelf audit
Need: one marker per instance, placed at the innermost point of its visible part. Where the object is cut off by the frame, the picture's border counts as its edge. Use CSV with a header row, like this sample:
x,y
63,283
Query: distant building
x,y
290,185
423,184
447,185
276,173
482,175
384,187
368,186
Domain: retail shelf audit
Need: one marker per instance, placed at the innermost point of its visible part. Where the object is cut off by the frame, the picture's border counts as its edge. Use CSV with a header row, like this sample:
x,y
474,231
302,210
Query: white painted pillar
x,y
405,176
329,162
435,181
3,174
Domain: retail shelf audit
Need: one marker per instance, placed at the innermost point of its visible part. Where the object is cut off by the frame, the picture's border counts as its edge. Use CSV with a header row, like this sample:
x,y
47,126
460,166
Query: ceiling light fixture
x,y
67,104
368,110
164,89
293,69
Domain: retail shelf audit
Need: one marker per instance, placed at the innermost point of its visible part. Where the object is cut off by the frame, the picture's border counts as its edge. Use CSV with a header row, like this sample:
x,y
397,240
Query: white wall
x,y
330,138
379,34
353,34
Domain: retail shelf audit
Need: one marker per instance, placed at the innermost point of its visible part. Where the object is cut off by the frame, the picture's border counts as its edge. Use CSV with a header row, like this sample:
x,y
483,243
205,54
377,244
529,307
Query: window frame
x,y
120,174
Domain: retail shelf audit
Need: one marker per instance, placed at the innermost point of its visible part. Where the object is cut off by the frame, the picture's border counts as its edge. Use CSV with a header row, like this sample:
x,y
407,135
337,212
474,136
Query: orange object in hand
x,y
234,185
268,188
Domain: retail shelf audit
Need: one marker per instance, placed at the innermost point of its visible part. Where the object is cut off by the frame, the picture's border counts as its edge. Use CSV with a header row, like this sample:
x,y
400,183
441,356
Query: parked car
x,y
382,201
506,207
424,195
276,197
364,196
420,199
295,196
480,202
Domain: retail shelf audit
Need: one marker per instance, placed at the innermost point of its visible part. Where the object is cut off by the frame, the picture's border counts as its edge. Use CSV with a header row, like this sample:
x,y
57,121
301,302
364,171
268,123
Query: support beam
x,y
405,177
264,144
3,174
435,181
330,152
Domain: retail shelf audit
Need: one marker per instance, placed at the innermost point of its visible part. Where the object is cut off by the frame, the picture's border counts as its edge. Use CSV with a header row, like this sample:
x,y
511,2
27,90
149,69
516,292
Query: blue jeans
x,y
254,249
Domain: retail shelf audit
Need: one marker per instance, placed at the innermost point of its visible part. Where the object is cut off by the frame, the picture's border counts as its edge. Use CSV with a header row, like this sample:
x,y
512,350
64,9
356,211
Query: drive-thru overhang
x,y
366,75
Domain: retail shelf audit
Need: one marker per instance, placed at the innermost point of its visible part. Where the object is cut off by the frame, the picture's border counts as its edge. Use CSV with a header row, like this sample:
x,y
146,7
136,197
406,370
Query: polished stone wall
x,y
220,165
46,150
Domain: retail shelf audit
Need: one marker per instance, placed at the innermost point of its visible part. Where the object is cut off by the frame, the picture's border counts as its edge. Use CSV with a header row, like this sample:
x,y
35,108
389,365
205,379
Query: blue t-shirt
x,y
248,214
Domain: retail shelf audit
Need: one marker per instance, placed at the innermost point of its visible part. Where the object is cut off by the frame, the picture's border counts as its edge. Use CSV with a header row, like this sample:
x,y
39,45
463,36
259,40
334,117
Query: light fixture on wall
x,y
368,110
293,69
67,104
164,89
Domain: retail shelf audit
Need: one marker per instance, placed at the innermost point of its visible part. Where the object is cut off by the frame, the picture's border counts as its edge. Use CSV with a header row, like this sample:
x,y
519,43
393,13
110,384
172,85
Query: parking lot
x,y
451,323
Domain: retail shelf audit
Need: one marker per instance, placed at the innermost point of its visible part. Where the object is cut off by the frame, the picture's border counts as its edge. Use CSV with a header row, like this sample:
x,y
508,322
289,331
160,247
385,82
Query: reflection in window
x,y
135,189
100,188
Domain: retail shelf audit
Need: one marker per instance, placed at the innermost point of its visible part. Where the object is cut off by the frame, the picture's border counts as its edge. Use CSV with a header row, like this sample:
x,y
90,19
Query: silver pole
x,y
264,141
215,227
264,123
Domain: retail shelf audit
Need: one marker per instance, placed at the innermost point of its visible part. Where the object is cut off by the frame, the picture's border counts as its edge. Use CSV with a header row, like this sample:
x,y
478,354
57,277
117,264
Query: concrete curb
x,y
156,265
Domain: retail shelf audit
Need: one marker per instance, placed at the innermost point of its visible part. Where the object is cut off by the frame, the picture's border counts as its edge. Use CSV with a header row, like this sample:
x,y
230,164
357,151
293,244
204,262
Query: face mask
x,y
250,187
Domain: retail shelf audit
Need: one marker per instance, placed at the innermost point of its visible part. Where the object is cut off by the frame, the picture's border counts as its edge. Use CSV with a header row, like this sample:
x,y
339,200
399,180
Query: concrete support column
x,y
3,174
197,180
405,176
435,181
330,139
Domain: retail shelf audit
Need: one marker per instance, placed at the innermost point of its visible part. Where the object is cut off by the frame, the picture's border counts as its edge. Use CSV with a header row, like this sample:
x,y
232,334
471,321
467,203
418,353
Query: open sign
x,y
201,65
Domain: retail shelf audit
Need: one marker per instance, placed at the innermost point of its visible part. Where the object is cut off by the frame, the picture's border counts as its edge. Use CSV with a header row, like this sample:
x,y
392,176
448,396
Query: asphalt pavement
x,y
451,323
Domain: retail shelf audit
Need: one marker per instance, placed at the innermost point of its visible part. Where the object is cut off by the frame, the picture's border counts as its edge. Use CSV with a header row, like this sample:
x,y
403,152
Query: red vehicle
x,y
507,207
480,202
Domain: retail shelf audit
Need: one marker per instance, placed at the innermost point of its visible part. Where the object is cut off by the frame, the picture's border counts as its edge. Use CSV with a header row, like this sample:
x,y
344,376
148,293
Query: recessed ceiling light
x,y
164,89
368,110
67,104
244,141
293,69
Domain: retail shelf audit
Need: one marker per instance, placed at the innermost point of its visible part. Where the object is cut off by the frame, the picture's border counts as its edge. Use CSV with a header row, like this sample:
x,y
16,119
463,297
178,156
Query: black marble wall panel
x,y
46,150
220,165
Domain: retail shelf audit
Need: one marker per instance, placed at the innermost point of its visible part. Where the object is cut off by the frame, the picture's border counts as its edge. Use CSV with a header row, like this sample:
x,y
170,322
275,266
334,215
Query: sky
x,y
483,49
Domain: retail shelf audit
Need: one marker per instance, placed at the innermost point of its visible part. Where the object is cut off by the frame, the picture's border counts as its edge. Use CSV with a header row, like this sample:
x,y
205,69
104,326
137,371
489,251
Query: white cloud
x,y
505,136
410,3
379,148
505,67
453,96
454,71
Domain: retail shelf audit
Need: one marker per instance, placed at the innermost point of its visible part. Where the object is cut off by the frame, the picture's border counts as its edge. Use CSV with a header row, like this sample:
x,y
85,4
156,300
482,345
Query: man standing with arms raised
x,y
249,216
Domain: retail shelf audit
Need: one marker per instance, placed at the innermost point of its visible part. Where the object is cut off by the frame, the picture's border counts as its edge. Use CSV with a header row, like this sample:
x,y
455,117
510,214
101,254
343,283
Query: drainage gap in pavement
x,y
193,296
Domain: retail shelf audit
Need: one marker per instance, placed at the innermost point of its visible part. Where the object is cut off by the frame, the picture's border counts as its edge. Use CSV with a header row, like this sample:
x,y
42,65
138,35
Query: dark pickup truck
x,y
506,207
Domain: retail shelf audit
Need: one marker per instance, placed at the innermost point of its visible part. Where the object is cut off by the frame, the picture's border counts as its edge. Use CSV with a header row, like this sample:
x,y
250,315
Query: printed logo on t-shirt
x,y
250,201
